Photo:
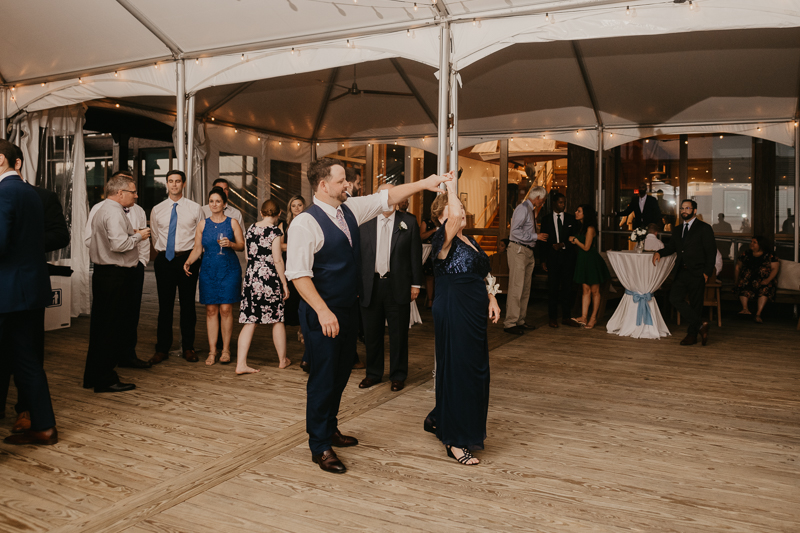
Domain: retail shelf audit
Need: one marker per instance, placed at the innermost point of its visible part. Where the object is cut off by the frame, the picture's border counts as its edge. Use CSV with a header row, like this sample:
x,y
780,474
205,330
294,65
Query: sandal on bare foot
x,y
592,323
581,321
284,365
758,319
225,359
745,312
465,457
212,358
246,370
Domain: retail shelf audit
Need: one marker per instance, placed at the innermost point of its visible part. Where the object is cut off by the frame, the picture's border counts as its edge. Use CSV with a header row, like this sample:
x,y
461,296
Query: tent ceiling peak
x,y
151,27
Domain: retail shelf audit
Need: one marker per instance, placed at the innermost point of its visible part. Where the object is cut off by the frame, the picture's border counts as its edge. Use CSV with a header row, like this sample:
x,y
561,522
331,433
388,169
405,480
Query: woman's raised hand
x,y
433,181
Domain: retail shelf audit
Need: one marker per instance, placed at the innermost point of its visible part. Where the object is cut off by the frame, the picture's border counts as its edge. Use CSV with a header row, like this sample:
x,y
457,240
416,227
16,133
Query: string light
x,y
197,61
292,51
759,129
242,57
547,17
117,105
80,80
628,10
235,130
212,119
415,6
691,5
408,33
647,140
259,138
155,66
116,74
42,84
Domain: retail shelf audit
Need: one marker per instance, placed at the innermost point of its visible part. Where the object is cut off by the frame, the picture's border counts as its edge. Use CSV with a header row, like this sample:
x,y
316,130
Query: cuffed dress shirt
x,y
307,237
523,225
138,220
189,215
383,244
113,240
229,211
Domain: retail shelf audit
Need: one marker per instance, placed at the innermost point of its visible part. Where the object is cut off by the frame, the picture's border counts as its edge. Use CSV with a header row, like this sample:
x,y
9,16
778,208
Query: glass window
x,y
98,170
241,171
784,201
284,182
153,184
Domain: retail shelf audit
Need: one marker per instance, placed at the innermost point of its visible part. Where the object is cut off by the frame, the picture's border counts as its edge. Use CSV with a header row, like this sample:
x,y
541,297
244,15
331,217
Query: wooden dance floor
x,y
587,432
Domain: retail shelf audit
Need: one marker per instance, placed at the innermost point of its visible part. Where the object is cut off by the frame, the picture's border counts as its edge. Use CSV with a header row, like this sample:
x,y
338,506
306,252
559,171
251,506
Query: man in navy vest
x,y
323,261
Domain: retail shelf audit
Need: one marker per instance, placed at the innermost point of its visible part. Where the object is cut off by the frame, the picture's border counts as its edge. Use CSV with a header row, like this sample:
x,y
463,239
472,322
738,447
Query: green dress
x,y
589,266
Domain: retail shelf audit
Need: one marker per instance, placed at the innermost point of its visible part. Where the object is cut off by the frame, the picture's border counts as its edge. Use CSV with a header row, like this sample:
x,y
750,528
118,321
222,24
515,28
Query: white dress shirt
x,y
189,215
229,211
556,217
307,237
138,220
652,243
9,173
642,201
383,248
113,240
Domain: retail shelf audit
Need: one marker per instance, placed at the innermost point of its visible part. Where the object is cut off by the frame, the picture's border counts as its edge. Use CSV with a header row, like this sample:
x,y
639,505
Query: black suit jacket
x,y
651,214
550,256
697,252
56,232
405,261
24,281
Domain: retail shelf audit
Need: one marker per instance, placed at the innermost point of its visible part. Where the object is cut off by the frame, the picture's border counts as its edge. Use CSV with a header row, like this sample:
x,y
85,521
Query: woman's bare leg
x,y
585,299
212,326
245,338
226,314
279,339
595,290
744,301
762,301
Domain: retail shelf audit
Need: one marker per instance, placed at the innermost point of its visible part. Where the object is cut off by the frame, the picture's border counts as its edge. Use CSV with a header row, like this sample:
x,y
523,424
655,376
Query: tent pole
x,y
796,187
180,95
3,112
454,127
192,190
444,79
599,201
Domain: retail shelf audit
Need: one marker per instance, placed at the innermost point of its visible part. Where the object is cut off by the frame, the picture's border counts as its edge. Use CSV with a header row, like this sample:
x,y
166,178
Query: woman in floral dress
x,y
264,290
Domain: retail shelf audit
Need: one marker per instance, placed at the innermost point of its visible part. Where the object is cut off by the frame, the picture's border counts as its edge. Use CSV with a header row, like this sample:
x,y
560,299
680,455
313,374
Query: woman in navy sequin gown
x,y
461,310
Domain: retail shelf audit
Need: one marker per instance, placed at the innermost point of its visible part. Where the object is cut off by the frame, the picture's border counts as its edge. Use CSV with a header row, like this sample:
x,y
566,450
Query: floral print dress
x,y
262,292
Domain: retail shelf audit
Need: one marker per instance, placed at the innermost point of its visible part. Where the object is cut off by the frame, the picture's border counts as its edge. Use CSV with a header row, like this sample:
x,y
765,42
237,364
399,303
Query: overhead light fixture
x,y
235,130
415,6
691,5
42,84
116,74
628,10
117,105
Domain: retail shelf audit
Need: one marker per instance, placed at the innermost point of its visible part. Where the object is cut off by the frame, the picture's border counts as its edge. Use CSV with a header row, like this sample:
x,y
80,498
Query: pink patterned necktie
x,y
343,225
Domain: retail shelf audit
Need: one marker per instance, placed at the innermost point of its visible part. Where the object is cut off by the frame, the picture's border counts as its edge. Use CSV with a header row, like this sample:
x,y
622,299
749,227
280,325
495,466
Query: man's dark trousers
x,y
382,309
692,285
110,324
560,286
331,361
137,287
169,277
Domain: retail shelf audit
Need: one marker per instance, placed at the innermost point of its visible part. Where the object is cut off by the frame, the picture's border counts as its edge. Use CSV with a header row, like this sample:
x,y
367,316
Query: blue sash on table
x,y
643,311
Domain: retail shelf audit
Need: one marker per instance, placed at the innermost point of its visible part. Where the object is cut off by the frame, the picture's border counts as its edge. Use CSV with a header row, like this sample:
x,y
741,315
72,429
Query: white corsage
x,y
403,226
492,287
638,235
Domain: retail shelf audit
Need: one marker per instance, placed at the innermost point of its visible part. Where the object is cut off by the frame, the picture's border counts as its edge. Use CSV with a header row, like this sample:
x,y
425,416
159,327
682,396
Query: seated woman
x,y
756,270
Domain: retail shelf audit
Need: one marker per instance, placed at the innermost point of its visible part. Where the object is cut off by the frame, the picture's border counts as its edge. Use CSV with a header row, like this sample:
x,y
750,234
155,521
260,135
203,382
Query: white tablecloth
x,y
415,318
637,274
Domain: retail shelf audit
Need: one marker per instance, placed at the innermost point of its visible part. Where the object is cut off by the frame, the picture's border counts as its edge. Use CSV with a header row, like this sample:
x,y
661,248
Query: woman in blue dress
x,y
217,239
461,309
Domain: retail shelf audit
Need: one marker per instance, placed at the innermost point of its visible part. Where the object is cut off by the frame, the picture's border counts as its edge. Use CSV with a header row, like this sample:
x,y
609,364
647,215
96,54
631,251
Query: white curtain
x,y
52,143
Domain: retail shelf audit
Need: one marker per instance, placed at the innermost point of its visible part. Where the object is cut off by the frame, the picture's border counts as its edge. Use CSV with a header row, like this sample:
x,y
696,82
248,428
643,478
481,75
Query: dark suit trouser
x,y
692,285
331,360
110,324
383,309
6,367
560,287
22,354
169,277
137,287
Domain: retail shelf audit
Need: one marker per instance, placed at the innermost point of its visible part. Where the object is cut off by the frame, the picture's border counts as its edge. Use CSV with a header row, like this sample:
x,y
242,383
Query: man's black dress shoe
x,y
527,326
328,462
305,366
48,436
368,382
116,387
554,323
398,385
703,331
429,425
688,340
134,363
516,330
342,441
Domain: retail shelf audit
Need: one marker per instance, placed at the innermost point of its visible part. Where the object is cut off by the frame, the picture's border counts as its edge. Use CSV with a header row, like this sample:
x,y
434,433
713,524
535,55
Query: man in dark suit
x,y
56,236
693,241
644,208
558,260
391,277
25,286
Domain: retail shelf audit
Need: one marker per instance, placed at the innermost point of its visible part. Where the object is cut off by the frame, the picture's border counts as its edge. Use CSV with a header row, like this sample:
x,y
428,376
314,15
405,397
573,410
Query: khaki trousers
x,y
520,273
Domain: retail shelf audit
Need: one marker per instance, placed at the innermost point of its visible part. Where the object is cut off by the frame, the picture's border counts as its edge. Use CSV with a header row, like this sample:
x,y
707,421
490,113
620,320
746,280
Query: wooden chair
x,y
711,299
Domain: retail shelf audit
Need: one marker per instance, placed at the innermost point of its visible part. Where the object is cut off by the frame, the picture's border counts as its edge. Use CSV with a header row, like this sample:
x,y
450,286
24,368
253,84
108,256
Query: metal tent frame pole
x,y
796,187
444,80
454,115
3,112
599,200
194,192
180,143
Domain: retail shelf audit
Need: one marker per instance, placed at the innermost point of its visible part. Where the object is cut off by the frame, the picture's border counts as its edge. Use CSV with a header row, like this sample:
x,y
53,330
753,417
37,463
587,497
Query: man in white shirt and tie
x,y
138,220
174,223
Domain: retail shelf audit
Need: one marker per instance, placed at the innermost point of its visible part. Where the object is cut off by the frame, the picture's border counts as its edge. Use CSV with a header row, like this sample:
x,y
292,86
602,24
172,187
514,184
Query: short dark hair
x,y
220,180
350,174
220,192
694,204
764,244
20,156
320,170
558,196
179,173
9,151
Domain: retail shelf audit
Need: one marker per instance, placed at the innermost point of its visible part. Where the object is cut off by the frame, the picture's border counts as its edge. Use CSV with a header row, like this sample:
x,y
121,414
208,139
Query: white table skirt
x,y
415,318
637,274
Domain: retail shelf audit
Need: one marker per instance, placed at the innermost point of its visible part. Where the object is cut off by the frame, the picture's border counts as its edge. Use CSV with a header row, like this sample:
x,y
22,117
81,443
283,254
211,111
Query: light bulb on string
x,y
415,6
628,10
691,5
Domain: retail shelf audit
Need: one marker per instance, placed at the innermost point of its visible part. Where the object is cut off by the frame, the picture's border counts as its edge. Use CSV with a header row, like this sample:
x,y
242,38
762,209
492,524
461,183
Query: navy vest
x,y
337,265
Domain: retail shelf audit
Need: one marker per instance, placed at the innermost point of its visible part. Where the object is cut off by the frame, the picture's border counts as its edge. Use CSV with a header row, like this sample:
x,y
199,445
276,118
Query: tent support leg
x,y
192,192
3,112
180,95
444,80
454,127
599,200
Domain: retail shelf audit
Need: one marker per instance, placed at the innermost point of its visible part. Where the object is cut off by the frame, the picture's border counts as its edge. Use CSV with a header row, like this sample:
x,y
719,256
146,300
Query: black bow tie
x,y
126,209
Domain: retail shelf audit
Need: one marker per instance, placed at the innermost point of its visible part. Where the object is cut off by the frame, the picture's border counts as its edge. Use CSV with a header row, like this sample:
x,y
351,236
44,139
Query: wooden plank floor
x,y
587,432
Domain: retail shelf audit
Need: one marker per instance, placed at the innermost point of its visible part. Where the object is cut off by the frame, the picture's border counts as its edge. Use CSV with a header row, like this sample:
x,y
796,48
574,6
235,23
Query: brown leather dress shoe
x,y
48,436
703,331
23,422
554,323
359,365
688,340
368,382
190,356
328,462
570,323
342,441
158,357
398,385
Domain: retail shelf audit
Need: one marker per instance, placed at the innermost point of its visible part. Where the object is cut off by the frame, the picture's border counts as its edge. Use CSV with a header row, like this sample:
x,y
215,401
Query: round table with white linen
x,y
638,315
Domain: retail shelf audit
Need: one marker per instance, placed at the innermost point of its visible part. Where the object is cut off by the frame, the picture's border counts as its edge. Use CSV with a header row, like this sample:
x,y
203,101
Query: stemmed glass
x,y
221,236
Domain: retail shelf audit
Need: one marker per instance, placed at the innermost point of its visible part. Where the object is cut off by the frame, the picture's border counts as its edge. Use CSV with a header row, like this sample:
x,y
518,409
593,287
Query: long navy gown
x,y
460,316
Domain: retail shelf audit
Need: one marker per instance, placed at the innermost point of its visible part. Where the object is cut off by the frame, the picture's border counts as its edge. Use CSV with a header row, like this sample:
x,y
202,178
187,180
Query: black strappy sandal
x,y
464,458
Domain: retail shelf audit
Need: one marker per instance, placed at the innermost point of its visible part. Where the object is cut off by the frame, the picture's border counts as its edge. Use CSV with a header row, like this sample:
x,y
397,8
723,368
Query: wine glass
x,y
221,236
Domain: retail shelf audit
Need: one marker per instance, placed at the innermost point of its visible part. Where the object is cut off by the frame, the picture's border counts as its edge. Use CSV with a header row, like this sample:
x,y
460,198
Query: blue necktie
x,y
173,227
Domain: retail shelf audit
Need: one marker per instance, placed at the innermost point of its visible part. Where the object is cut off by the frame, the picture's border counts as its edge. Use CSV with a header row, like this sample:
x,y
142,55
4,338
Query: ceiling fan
x,y
355,91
